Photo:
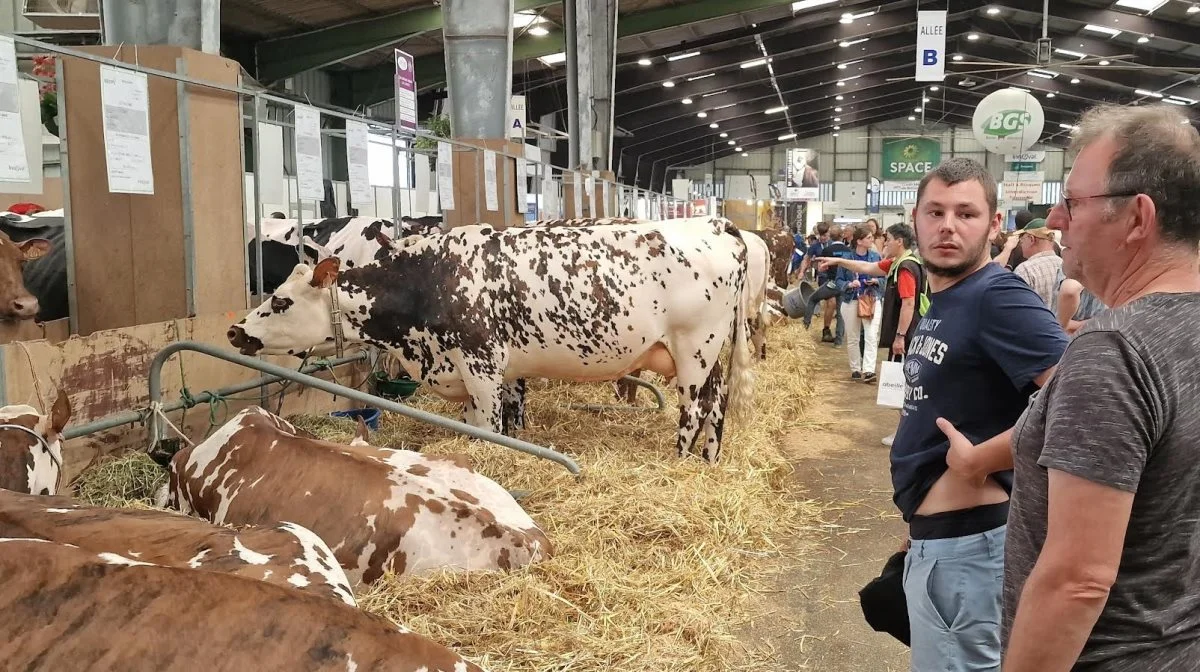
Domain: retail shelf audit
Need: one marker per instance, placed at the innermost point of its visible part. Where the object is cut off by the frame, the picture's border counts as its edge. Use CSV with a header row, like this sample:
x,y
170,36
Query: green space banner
x,y
906,160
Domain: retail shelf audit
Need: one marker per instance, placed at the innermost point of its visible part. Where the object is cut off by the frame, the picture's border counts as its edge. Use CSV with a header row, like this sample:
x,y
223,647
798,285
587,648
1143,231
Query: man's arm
x,y
853,265
906,286
976,462
1006,252
1101,422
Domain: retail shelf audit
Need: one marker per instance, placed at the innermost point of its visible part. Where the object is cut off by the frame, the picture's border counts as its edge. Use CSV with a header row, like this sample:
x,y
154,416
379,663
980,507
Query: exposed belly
x,y
952,493
565,365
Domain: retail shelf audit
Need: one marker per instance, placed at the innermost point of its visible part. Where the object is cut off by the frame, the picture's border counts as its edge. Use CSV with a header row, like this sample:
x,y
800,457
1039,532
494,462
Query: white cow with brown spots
x,y
31,447
68,608
379,509
285,554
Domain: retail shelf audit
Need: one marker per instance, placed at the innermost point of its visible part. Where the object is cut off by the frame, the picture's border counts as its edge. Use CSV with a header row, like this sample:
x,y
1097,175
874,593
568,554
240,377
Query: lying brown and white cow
x,y
66,608
31,447
285,554
379,509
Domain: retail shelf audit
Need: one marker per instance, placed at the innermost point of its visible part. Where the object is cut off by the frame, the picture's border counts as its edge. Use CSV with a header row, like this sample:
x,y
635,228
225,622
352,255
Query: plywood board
x,y
28,330
106,372
51,197
469,199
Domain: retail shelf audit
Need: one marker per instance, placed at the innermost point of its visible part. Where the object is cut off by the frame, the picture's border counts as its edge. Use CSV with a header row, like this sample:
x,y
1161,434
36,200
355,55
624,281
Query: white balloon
x,y
1008,121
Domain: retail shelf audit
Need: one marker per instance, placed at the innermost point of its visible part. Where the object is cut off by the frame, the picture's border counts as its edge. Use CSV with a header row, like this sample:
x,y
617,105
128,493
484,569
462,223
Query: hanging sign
x,y
522,176
406,91
125,100
516,118
356,163
445,175
931,46
14,163
803,181
309,170
907,160
1008,121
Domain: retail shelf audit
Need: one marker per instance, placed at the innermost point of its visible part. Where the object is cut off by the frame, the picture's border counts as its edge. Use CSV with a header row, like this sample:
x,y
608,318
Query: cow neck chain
x,y
335,317
44,445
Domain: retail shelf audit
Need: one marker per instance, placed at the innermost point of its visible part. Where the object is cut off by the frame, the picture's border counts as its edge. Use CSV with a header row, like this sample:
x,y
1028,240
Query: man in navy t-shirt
x,y
985,345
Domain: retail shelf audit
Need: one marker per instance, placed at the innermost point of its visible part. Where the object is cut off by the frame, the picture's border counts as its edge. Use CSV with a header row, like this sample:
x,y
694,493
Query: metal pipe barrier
x,y
658,399
350,393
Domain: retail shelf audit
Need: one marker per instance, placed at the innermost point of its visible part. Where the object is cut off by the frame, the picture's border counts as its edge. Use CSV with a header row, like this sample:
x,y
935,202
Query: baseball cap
x,y
1037,228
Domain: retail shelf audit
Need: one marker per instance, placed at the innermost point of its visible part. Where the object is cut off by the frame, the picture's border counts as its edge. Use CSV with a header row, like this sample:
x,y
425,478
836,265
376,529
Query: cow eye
x,y
279,304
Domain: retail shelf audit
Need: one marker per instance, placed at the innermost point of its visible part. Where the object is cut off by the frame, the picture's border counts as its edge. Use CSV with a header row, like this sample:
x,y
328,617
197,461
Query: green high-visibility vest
x,y
923,295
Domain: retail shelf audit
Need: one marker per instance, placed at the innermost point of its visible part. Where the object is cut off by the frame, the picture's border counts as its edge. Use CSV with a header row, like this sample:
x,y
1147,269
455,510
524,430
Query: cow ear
x,y
35,248
362,434
384,241
326,272
60,413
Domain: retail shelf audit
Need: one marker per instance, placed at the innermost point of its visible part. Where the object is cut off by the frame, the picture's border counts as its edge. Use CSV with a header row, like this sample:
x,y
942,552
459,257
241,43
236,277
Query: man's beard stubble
x,y
961,269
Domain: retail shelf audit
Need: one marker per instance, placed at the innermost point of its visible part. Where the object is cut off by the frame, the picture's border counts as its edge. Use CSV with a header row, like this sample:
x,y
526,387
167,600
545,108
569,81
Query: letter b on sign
x,y
929,57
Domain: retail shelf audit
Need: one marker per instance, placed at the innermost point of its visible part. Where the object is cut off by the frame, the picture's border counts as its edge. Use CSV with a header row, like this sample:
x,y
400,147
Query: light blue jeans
x,y
953,587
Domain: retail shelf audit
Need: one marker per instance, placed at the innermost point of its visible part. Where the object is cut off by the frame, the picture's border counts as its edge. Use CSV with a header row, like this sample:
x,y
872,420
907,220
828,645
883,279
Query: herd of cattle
x,y
276,527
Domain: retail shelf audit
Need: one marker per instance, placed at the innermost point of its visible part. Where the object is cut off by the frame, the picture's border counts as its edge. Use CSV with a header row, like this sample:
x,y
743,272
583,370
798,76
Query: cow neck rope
x,y
45,445
335,317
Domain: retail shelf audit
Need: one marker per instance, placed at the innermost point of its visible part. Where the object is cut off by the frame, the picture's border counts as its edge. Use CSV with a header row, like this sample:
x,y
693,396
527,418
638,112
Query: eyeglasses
x,y
1066,202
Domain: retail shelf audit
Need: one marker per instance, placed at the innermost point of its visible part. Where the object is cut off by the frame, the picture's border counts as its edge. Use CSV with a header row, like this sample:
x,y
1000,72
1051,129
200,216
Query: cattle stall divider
x,y
658,399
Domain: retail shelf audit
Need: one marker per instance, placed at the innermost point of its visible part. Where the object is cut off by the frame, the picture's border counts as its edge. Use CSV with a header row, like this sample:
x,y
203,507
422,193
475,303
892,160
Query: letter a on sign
x,y
931,46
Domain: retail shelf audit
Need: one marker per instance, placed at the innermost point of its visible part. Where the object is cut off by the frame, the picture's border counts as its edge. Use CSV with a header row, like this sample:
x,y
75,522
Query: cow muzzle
x,y
245,343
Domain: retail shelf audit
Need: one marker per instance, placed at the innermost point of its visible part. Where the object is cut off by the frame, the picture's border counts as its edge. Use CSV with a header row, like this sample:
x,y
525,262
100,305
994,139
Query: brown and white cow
x,y
67,608
379,509
472,311
16,302
31,447
781,243
286,554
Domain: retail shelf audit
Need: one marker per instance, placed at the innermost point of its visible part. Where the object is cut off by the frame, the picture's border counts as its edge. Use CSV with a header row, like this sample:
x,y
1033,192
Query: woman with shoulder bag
x,y
860,299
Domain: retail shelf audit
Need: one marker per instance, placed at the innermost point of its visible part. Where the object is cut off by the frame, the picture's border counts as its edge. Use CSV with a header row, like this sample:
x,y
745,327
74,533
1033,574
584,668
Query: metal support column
x,y
570,23
195,24
479,42
592,36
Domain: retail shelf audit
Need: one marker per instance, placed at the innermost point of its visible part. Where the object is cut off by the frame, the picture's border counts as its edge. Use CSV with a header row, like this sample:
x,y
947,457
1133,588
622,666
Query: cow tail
x,y
741,377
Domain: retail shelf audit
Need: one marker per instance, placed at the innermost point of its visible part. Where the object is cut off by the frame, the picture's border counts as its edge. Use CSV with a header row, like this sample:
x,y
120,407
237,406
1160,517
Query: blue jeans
x,y
824,292
953,587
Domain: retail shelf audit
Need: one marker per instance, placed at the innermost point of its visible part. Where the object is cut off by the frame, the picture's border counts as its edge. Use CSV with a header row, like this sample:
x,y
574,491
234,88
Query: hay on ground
x,y
656,558
129,481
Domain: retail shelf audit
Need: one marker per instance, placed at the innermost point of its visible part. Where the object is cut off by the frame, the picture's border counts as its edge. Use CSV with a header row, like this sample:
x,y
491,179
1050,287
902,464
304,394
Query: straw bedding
x,y
657,560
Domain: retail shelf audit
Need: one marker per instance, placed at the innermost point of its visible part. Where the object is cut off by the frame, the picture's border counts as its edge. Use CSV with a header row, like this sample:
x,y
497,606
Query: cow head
x,y
16,303
295,319
31,447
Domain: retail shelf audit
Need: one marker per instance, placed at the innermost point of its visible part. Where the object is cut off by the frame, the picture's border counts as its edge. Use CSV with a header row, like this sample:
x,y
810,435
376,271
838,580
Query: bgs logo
x,y
1006,123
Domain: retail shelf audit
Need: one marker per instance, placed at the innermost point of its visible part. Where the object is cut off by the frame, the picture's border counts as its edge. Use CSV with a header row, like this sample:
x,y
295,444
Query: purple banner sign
x,y
406,91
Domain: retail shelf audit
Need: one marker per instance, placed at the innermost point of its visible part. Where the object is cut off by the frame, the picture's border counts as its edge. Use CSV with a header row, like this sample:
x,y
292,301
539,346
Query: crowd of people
x,y
1045,461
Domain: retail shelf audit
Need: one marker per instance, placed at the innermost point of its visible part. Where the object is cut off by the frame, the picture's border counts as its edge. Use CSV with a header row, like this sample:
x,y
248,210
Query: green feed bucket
x,y
393,388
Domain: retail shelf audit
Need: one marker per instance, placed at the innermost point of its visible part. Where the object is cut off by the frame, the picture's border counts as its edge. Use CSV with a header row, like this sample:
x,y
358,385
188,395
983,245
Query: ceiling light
x,y
835,135
554,59
1144,92
809,4
1068,52
1172,100
1050,95
669,84
1193,9
714,125
1044,74
724,135
851,43
836,119
934,88
680,57
972,36
737,149
841,66
702,115
1104,62
916,109
522,19
732,142
699,77
841,83
789,136
925,99
1142,5
957,57
715,93
745,154
538,31
723,107
837,128
1068,127
912,118
1074,80
993,10
837,109
840,98
686,101
644,61
1105,30
755,63
846,18
776,110
1143,39
1181,100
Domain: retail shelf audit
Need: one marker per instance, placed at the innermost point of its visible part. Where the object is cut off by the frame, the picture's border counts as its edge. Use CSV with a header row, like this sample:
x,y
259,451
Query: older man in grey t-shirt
x,y
1102,567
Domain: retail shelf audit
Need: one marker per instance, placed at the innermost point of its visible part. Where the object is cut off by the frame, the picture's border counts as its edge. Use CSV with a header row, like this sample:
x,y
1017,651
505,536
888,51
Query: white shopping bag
x,y
891,385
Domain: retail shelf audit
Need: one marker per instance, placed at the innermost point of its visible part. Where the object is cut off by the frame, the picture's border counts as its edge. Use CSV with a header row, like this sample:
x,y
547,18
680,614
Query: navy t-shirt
x,y
973,360
834,248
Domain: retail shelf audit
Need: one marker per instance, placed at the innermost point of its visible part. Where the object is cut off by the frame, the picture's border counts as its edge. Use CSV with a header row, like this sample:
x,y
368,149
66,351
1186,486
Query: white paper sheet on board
x,y
490,192
125,102
31,130
309,171
578,180
607,207
356,163
445,175
14,161
421,191
522,184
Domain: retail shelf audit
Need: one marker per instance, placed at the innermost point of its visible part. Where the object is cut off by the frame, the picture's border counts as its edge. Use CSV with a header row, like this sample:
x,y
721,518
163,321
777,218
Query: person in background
x,y
985,344
1009,253
827,290
857,292
1073,304
877,235
1041,266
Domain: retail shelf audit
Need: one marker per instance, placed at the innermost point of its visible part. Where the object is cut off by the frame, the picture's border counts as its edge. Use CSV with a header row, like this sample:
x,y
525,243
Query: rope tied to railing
x,y
156,410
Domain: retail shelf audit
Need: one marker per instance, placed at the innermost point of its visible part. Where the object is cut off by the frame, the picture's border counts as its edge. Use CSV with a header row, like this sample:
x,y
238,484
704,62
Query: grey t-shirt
x,y
1123,410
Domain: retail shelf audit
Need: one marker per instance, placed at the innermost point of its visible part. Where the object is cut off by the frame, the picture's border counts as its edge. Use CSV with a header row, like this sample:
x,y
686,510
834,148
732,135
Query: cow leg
x,y
714,400
625,390
694,382
513,406
483,379
758,335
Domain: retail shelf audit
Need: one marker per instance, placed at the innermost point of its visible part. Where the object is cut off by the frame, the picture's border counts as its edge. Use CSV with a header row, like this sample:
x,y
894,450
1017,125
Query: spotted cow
x,y
379,509
285,553
471,311
781,244
68,608
31,447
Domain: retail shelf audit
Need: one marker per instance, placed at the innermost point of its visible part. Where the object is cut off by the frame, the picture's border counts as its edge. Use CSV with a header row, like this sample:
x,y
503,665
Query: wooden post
x,y
469,195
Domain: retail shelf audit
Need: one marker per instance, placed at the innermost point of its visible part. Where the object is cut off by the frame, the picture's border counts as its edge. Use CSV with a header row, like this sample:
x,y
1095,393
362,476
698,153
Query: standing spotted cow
x,y
472,311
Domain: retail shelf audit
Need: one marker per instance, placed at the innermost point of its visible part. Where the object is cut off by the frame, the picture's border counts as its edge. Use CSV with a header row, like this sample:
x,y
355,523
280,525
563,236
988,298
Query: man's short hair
x,y
822,228
835,232
903,232
1022,218
960,169
1158,154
